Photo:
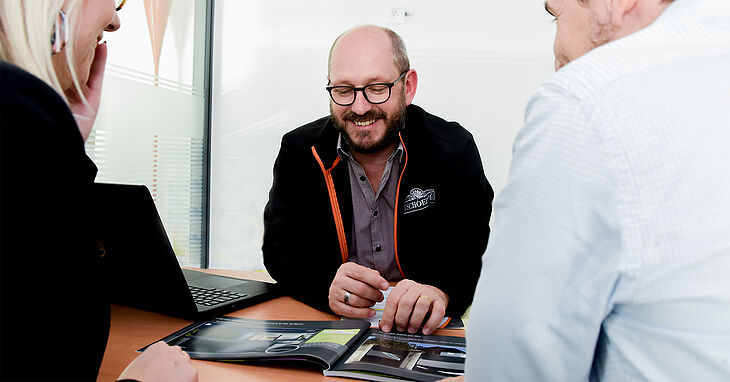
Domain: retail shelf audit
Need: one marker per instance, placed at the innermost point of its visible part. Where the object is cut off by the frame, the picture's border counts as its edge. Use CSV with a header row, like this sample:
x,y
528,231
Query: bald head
x,y
370,39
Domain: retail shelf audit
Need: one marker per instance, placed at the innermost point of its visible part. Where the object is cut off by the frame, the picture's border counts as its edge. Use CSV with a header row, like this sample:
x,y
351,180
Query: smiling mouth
x,y
364,123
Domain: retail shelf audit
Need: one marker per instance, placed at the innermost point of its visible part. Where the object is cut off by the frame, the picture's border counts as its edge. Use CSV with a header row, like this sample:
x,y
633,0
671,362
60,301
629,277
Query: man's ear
x,y
411,83
622,11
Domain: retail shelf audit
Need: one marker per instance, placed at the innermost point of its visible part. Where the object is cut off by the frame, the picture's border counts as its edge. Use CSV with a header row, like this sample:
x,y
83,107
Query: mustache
x,y
370,115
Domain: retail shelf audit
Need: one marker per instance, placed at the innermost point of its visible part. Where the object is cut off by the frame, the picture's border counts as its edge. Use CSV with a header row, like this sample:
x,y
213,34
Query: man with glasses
x,y
379,191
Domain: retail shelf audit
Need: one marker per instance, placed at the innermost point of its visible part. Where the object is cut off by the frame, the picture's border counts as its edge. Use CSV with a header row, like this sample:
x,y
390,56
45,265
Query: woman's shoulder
x,y
27,101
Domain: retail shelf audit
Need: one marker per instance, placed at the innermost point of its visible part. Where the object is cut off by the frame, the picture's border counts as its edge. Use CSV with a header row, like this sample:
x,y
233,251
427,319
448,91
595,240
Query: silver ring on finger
x,y
347,298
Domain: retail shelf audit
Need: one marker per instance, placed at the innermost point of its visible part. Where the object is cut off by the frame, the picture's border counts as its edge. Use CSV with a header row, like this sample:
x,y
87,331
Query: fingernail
x,y
426,331
400,329
371,313
411,330
385,328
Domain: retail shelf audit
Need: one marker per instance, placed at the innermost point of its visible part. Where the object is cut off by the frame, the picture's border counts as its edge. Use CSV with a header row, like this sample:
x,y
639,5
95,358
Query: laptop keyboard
x,y
213,296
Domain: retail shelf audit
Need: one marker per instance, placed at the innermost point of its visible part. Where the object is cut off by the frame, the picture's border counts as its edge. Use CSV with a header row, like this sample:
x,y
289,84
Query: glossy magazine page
x,y
239,339
401,356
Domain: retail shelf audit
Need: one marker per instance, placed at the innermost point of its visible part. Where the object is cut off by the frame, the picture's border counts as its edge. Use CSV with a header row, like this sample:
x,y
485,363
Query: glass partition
x,y
150,128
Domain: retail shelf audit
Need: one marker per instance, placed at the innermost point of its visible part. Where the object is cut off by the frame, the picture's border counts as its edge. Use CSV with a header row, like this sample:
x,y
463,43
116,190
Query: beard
x,y
362,142
598,32
601,31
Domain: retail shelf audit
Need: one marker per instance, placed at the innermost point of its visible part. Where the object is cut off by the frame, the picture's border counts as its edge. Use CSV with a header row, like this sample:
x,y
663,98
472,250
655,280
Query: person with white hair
x,y
609,256
55,314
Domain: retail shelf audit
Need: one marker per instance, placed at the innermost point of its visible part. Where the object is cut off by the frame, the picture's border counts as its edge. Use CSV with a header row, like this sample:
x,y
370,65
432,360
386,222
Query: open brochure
x,y
341,348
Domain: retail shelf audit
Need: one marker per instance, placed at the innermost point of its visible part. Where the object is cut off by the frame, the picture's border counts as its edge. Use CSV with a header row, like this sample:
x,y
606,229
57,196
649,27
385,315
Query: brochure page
x,y
395,356
239,339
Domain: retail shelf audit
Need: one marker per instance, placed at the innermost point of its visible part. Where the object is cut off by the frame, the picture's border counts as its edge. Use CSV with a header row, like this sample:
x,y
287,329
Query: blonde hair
x,y
26,27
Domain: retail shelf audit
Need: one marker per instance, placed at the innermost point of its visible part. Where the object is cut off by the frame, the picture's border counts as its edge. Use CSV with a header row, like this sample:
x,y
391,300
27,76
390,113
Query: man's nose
x,y
361,105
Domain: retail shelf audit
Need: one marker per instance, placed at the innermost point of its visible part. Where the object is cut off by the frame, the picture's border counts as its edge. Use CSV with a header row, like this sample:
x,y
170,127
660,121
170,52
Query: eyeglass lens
x,y
376,93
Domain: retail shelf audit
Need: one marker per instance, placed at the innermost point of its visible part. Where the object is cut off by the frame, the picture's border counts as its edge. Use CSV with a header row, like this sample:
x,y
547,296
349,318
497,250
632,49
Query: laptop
x,y
141,270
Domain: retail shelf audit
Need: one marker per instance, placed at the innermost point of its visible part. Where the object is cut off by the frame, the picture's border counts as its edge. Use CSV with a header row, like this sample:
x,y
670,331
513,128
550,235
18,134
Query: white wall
x,y
478,63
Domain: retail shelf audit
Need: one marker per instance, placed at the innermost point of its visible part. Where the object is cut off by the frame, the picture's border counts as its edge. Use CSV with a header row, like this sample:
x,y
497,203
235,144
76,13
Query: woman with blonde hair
x,y
54,321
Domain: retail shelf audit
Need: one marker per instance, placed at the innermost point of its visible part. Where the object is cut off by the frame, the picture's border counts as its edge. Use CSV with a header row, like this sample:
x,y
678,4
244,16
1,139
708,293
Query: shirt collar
x,y
344,152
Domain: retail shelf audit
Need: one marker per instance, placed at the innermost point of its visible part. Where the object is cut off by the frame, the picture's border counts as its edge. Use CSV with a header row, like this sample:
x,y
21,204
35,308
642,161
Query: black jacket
x,y
55,319
440,244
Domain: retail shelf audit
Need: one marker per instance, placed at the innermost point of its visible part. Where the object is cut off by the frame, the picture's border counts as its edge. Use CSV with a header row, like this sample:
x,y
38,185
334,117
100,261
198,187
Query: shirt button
x,y
375,213
362,178
378,248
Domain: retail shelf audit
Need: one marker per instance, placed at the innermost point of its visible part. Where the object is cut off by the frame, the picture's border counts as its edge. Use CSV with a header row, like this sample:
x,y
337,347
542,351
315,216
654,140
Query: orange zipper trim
x,y
445,323
335,204
395,213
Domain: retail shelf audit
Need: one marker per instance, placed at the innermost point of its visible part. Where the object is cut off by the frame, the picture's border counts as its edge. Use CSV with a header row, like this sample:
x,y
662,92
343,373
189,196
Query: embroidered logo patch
x,y
419,199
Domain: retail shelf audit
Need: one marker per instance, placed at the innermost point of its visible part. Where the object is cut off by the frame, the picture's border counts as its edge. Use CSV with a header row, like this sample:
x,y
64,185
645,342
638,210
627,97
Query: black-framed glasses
x,y
374,93
120,4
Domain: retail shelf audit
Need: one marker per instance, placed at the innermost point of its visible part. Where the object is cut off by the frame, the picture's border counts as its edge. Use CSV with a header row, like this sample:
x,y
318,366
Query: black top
x,y
55,318
442,230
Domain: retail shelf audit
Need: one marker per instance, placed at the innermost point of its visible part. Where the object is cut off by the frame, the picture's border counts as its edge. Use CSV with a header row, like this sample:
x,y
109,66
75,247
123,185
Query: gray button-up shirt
x,y
373,244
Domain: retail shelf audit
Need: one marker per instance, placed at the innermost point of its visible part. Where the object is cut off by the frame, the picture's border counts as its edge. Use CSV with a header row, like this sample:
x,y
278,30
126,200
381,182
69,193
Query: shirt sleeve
x,y
552,260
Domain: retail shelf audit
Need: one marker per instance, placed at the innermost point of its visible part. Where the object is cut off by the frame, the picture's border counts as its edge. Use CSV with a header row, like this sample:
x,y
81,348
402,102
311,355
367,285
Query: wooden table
x,y
132,329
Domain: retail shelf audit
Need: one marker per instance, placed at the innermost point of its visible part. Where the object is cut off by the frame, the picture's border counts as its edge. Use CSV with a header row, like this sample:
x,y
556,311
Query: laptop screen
x,y
139,263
